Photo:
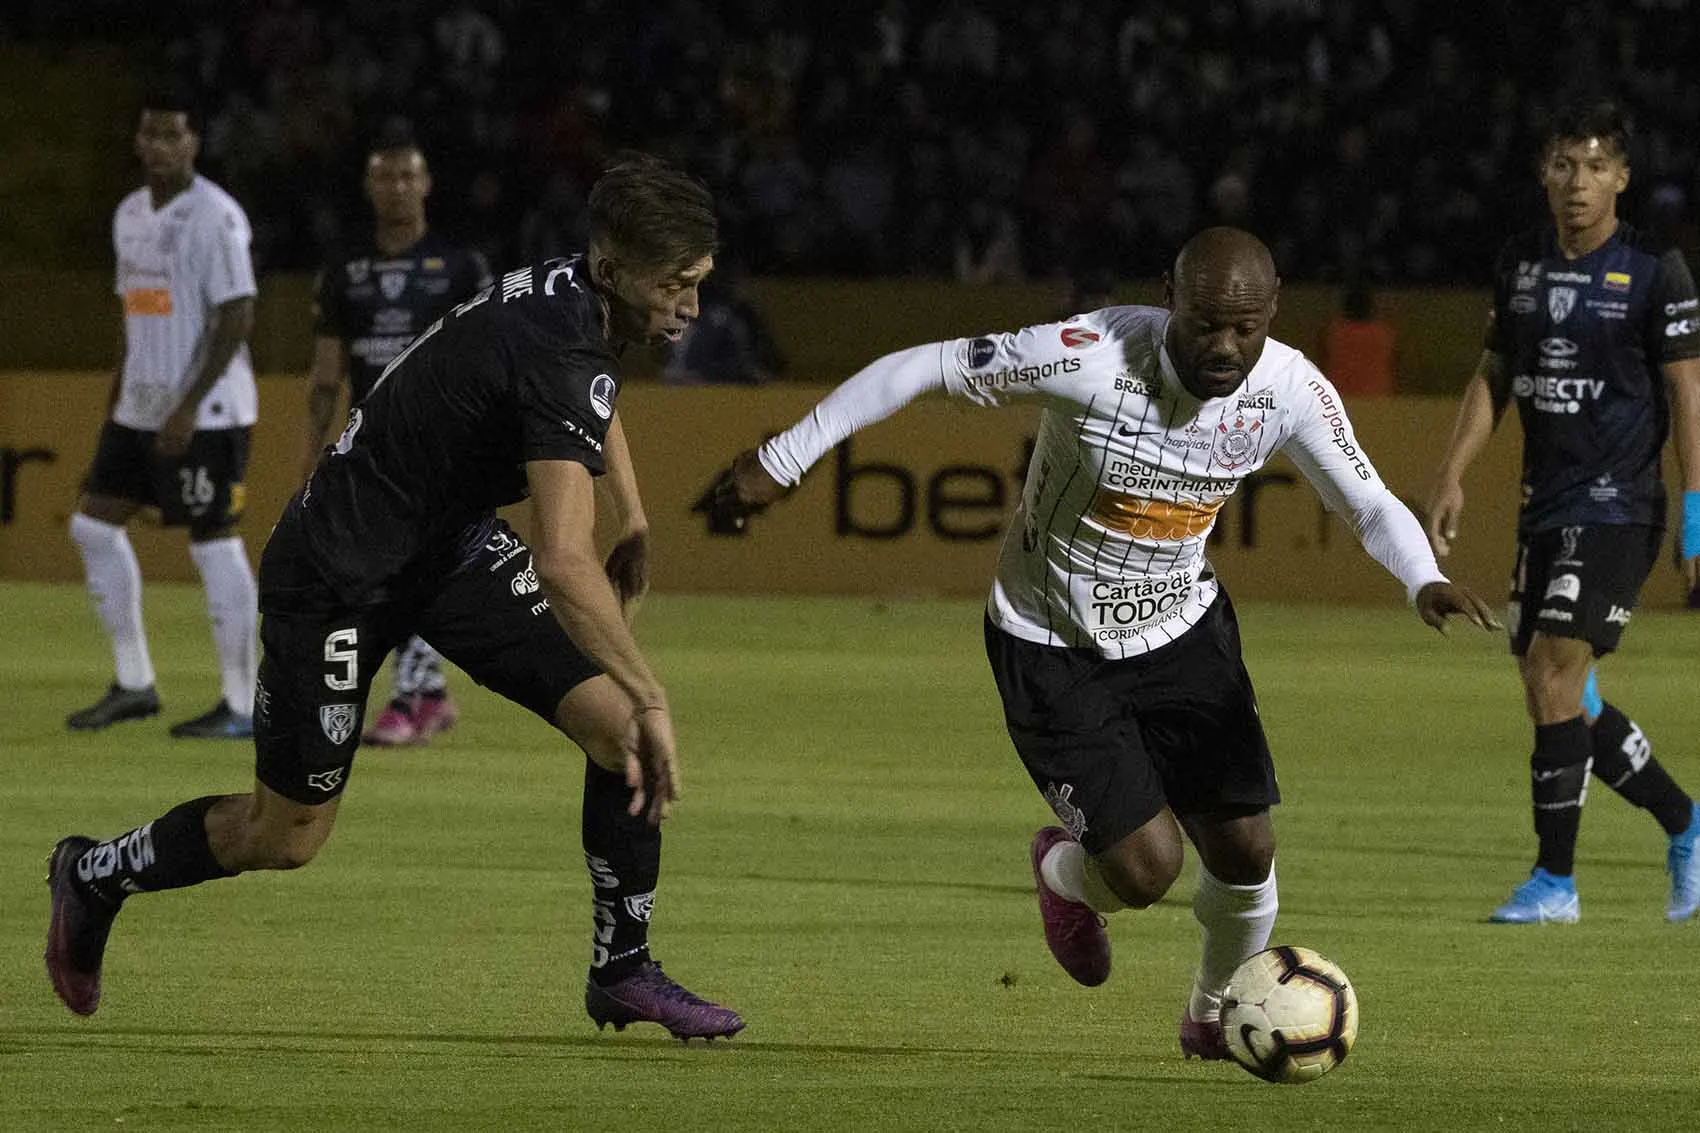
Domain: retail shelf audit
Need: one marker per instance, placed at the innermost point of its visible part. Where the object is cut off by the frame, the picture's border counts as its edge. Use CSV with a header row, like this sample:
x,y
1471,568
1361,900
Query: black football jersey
x,y
1582,342
521,371
375,303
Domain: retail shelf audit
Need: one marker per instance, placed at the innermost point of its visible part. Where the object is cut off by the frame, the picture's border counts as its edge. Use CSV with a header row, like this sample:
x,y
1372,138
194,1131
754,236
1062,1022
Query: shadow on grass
x,y
191,1041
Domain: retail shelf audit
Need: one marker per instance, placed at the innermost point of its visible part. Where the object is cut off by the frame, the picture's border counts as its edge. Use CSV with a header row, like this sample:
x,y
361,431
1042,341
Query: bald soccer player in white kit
x,y
1115,649
181,413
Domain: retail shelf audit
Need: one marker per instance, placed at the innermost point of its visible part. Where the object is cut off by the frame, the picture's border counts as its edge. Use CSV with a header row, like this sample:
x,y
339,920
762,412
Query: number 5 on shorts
x,y
342,652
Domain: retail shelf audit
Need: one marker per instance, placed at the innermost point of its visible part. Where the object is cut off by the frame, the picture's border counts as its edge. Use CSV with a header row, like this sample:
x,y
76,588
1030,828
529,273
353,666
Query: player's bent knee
x,y
597,715
1141,874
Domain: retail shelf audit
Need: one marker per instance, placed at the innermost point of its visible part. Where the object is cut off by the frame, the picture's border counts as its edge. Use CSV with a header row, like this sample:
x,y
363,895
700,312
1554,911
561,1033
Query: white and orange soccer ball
x,y
1289,1015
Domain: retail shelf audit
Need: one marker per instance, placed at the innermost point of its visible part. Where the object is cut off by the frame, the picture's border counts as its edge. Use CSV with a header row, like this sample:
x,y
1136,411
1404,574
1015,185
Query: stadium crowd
x,y
1384,139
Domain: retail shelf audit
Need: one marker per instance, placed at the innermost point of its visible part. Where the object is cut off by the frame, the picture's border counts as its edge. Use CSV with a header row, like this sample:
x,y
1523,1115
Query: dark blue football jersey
x,y
1582,343
521,371
376,303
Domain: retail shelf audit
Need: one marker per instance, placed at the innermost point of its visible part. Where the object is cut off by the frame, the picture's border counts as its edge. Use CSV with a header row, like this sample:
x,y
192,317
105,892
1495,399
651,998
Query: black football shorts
x,y
1581,582
1109,743
204,488
487,615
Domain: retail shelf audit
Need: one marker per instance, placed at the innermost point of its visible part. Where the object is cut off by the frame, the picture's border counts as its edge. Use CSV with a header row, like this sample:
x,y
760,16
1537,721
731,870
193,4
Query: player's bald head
x,y
1222,295
1225,261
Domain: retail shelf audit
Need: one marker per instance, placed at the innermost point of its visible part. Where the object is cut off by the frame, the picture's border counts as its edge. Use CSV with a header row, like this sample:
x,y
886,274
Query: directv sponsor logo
x,y
1335,418
1024,375
1557,395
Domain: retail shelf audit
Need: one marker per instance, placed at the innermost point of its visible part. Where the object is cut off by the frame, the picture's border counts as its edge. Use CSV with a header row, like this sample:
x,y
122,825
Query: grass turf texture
x,y
849,869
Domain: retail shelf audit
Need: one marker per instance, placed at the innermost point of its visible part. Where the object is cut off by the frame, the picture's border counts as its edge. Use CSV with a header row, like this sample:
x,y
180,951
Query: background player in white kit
x,y
1114,647
182,409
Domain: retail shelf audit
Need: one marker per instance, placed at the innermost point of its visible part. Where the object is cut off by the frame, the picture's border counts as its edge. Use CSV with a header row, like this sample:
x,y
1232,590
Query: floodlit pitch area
x,y
848,868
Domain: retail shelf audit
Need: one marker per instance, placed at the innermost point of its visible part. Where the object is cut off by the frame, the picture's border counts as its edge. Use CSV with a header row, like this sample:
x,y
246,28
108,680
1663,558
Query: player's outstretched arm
x,y
583,601
1478,412
1438,601
759,477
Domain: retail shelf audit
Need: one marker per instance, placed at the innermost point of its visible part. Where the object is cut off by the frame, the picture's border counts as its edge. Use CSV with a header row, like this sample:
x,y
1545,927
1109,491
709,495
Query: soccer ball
x,y
1289,1015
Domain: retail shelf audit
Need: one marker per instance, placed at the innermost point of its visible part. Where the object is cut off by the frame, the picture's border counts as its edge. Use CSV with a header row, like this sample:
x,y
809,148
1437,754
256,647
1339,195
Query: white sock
x,y
1236,920
115,585
233,607
418,670
1068,872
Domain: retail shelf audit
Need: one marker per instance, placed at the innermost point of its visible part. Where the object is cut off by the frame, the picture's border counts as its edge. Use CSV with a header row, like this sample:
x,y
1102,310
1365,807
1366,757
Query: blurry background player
x,y
182,409
1590,324
1115,649
369,306
511,395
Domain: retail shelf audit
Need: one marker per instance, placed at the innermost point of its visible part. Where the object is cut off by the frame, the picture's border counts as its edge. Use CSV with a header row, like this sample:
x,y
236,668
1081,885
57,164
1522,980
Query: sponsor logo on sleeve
x,y
1565,586
1684,305
1618,616
1341,433
980,351
1077,338
602,395
1024,375
1676,328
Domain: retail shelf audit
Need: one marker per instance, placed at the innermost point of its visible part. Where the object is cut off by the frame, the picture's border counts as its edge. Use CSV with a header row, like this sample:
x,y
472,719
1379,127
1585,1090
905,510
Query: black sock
x,y
168,853
1623,758
623,854
1558,784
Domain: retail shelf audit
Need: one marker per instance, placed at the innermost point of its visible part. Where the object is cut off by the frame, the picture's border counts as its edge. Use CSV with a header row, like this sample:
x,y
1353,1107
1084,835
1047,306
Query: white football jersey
x,y
175,265
1107,546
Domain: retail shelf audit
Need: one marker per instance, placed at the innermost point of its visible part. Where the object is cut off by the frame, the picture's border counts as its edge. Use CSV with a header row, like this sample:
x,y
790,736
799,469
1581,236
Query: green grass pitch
x,y
848,868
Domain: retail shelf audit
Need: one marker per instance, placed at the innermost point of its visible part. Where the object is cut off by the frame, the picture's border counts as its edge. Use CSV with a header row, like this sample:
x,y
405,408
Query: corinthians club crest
x,y
337,721
1235,445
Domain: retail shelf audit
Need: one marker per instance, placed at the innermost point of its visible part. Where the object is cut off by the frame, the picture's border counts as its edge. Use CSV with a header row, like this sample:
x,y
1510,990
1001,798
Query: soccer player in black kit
x,y
1591,323
510,394
368,306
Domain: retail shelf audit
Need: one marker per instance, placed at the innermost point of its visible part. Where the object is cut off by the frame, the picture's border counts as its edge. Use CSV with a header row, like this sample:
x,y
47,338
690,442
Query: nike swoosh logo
x,y
1543,776
1124,431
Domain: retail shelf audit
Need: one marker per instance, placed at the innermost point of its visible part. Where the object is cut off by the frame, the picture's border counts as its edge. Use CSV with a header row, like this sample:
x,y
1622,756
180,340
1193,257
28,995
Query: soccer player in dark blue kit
x,y
1595,334
510,394
368,306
